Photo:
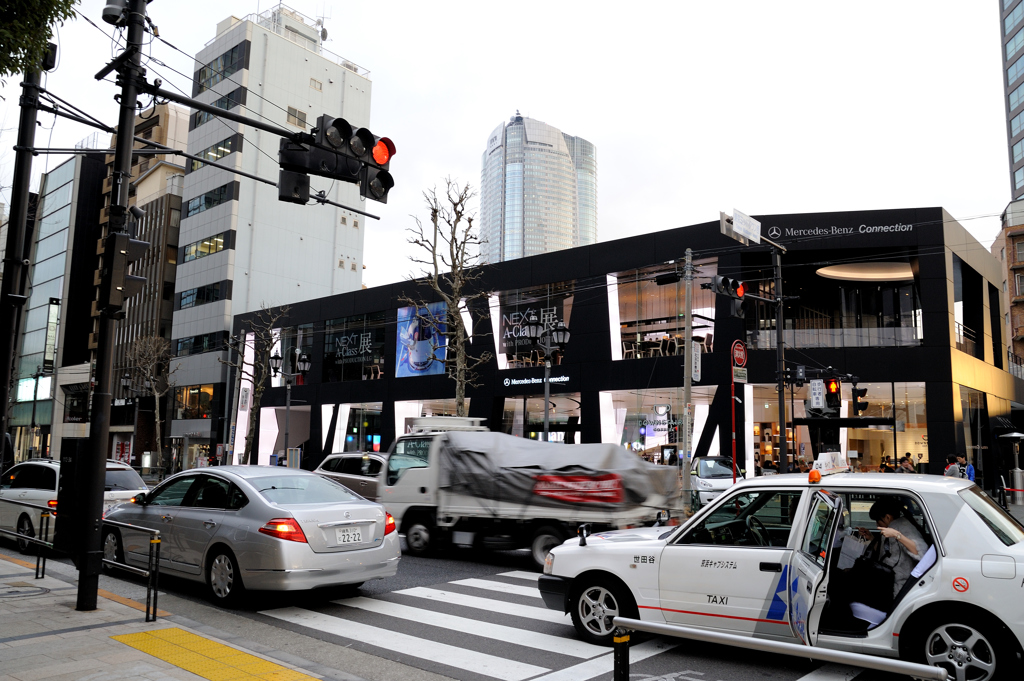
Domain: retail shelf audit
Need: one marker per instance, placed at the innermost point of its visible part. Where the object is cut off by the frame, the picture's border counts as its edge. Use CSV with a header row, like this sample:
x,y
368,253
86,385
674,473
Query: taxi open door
x,y
809,565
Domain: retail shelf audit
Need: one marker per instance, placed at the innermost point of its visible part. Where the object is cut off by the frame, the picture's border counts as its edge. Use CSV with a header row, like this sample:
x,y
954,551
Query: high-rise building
x,y
1012,31
538,191
241,249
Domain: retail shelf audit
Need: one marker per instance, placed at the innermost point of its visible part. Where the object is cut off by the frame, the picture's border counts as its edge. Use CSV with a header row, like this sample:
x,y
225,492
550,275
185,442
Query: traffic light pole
x,y
780,343
94,469
684,455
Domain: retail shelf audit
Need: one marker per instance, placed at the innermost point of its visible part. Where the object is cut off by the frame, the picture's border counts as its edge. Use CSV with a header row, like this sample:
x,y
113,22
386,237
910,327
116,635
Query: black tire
x,y
594,603
419,537
544,539
112,547
25,528
967,645
223,577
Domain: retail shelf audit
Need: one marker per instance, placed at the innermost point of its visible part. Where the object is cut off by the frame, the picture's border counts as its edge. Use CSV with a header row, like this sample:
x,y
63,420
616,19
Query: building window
x,y
355,224
205,247
353,267
210,199
1015,43
220,68
201,295
344,220
354,348
1012,19
1002,255
296,117
1018,178
1020,284
202,343
316,84
193,402
218,151
227,102
1004,286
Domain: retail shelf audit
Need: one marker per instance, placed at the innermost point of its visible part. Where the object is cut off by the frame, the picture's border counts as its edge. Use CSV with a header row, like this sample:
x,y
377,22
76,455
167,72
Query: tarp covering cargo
x,y
503,468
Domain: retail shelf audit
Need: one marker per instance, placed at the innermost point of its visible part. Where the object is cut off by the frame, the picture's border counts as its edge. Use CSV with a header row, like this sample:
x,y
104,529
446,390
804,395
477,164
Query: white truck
x,y
453,480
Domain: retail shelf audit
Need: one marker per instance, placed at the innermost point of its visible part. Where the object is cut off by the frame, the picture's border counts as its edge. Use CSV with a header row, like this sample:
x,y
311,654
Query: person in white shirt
x,y
902,543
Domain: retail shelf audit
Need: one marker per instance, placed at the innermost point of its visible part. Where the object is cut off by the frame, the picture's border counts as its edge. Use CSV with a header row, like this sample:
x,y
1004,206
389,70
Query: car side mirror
x,y
140,499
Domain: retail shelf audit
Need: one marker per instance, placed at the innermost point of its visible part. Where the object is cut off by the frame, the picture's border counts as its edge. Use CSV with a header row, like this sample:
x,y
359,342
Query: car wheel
x,y
112,549
596,604
969,648
417,538
544,539
223,577
25,528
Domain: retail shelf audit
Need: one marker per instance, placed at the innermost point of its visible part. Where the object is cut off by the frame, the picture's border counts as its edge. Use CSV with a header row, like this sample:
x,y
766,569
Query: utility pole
x,y
780,342
684,454
12,289
93,469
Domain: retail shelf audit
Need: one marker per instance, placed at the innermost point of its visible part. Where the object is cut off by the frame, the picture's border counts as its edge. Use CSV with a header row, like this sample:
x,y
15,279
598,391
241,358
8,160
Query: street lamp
x,y
548,341
301,364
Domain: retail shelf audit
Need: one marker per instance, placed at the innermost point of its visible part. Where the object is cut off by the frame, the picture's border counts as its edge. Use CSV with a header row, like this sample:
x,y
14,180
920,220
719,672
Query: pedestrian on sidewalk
x,y
966,469
952,467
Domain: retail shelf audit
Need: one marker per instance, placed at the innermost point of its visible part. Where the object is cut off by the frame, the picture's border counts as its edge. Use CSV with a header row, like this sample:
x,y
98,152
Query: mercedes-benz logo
x,y
348,514
774,232
508,382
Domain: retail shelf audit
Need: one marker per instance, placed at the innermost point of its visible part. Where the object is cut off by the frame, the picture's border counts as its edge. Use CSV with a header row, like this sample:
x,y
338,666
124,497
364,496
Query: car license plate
x,y
349,535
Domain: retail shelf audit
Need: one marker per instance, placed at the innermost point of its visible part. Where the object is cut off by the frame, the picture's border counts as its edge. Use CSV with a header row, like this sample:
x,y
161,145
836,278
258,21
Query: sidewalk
x,y
44,637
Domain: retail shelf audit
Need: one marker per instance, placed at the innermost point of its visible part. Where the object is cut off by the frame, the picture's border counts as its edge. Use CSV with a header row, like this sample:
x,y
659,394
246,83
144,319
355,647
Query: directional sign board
x,y
746,226
817,394
739,374
695,356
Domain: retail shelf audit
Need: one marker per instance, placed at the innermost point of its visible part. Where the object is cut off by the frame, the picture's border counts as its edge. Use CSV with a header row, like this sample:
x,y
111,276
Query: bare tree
x,y
258,337
449,268
149,360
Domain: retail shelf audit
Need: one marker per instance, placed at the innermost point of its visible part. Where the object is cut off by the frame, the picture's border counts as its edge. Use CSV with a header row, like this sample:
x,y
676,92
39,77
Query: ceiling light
x,y
869,271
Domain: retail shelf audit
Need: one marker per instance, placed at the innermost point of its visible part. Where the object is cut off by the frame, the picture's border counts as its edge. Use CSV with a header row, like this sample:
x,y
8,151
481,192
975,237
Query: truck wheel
x,y
967,647
544,539
595,604
418,538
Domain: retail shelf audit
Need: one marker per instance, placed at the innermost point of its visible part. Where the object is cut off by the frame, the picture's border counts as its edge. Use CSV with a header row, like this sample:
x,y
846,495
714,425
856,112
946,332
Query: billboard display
x,y
421,341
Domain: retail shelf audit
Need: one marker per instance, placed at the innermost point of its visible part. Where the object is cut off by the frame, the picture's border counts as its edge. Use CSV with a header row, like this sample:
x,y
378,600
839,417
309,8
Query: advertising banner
x,y
421,341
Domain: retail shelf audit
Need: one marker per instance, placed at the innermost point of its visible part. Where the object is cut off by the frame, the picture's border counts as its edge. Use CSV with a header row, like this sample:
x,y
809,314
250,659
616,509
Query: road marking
x,y
606,663
442,653
832,672
520,574
529,591
489,604
530,639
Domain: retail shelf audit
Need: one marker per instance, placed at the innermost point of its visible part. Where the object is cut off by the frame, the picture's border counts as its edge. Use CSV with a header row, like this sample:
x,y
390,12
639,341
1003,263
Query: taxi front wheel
x,y
596,603
969,648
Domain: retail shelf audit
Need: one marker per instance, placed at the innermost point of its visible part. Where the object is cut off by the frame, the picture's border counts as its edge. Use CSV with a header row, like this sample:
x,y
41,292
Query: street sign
x,y
739,353
817,394
739,374
746,226
695,358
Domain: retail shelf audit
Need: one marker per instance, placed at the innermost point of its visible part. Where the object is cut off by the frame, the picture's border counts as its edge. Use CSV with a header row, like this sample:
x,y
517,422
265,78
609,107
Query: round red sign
x,y
739,354
960,584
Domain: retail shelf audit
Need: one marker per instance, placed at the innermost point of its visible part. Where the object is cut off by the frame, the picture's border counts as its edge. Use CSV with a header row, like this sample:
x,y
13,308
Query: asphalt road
x,y
462,614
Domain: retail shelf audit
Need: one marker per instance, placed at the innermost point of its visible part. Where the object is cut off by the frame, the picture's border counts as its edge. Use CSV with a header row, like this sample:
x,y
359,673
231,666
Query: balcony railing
x,y
838,338
966,339
1015,364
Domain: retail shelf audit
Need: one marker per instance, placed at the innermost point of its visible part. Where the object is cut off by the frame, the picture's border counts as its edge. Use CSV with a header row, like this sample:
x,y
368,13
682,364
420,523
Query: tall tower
x,y
538,191
1011,26
240,248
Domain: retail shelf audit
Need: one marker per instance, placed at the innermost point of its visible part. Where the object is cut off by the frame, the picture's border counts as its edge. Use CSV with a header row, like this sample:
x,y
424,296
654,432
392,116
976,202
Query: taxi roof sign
x,y
829,463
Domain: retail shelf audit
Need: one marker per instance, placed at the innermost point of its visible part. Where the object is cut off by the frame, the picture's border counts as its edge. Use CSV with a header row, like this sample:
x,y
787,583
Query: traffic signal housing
x,y
376,180
833,394
116,284
732,288
859,406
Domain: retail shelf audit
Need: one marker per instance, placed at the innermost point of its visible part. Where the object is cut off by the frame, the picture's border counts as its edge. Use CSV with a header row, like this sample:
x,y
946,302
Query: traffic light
x,y
736,309
833,394
116,285
859,406
726,286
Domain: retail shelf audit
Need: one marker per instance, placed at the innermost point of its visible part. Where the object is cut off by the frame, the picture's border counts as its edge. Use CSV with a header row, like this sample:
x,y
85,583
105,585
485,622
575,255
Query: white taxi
x,y
922,567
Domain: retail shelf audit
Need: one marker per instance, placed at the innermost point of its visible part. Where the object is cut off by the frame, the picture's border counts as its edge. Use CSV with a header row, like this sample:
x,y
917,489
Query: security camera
x,y
114,12
137,212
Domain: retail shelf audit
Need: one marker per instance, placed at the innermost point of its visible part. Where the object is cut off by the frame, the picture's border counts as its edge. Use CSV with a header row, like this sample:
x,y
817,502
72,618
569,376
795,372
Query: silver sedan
x,y
257,527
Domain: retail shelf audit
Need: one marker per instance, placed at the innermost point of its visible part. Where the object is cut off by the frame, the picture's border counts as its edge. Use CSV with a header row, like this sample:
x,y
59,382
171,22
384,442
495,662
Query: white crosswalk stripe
x,y
529,591
519,574
488,604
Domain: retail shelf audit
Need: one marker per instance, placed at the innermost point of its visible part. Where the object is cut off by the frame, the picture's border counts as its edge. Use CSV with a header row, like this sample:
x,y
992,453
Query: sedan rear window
x,y
123,478
1002,524
301,489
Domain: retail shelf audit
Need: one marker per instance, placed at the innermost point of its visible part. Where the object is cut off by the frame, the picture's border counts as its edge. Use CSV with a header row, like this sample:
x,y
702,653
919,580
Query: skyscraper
x,y
538,191
240,248
1012,31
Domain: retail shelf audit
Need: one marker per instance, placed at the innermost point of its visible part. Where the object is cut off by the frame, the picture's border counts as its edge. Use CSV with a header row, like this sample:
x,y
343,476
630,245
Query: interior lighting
x,y
869,271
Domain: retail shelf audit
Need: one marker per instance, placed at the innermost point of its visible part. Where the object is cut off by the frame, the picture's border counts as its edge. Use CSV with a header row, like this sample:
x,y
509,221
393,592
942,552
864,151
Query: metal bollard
x,y
621,655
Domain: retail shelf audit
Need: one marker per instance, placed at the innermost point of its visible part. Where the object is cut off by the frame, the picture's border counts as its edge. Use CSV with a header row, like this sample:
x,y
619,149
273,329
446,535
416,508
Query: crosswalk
x,y
468,629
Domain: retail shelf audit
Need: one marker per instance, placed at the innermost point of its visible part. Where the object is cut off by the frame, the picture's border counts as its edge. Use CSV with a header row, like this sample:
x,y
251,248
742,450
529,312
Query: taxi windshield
x,y
1002,524
714,468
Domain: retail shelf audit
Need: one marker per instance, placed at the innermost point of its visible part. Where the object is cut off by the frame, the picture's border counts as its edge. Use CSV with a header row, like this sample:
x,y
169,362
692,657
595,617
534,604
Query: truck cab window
x,y
411,453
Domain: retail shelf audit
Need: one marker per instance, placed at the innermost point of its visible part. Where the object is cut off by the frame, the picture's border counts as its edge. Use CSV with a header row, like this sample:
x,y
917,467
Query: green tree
x,y
25,29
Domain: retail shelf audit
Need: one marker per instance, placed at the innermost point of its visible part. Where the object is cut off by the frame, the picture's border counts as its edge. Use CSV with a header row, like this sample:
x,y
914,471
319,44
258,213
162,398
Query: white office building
x,y
538,191
241,249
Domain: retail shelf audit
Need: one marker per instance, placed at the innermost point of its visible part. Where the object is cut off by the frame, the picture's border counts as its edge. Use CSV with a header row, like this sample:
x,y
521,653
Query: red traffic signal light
x,y
739,289
833,386
383,150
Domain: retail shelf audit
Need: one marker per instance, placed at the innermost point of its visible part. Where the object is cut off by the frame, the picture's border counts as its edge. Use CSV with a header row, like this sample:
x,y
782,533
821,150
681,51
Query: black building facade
x,y
906,300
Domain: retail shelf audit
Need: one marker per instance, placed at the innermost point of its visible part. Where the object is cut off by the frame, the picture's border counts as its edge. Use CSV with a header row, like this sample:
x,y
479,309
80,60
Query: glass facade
x,y
354,348
524,417
211,199
204,247
356,427
650,421
512,310
220,68
538,191
194,402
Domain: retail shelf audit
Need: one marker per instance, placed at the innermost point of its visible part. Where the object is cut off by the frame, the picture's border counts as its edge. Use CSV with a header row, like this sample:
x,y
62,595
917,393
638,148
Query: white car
x,y
35,482
712,475
775,558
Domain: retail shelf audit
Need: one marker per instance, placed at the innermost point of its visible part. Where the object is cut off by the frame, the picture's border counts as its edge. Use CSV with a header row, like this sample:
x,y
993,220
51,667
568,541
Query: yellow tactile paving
x,y
206,658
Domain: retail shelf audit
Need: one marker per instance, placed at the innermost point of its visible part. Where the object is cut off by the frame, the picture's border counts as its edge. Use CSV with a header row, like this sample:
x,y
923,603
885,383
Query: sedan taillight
x,y
284,528
389,525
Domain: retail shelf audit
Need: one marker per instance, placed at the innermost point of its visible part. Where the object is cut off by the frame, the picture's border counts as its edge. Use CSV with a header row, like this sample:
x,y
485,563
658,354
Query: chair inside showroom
x,y
668,346
656,348
707,342
628,350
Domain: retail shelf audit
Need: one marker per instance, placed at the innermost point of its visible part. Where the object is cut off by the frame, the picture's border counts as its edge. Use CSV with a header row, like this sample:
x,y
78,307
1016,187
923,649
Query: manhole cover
x,y
21,590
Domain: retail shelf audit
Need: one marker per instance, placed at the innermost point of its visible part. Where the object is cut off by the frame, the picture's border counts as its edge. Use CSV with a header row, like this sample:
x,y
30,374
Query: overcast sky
x,y
694,106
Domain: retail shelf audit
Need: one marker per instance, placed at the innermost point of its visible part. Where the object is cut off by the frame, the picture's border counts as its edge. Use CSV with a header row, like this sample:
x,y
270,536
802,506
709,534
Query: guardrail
x,y
152,573
45,514
885,664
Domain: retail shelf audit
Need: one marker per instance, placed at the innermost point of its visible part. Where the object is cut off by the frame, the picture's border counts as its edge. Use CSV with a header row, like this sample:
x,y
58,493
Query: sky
x,y
695,107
